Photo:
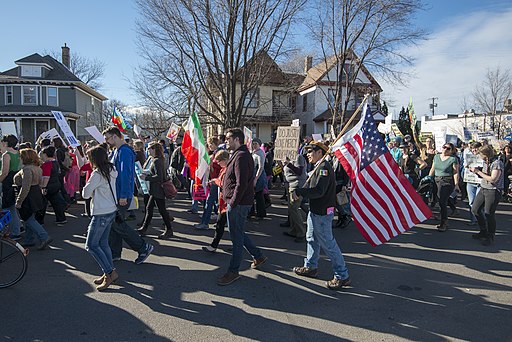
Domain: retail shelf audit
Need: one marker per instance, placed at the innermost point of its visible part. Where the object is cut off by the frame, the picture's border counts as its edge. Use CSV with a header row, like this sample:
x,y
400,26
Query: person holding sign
x,y
472,181
10,166
489,195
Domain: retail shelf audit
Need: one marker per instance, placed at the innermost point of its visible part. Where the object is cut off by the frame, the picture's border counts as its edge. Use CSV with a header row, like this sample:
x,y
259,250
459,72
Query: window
x,y
92,104
52,97
251,99
29,95
305,103
30,71
8,94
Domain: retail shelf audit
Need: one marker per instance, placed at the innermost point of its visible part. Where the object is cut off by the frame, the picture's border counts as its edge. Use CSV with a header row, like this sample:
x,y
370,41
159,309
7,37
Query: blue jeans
x,y
15,224
236,225
97,240
32,227
319,234
213,196
472,190
122,231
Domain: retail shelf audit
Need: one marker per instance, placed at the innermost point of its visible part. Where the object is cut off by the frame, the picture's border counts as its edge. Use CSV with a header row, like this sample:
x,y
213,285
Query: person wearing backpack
x,y
64,160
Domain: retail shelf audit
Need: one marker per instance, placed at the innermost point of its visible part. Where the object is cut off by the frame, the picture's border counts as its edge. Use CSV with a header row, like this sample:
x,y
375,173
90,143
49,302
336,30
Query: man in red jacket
x,y
238,192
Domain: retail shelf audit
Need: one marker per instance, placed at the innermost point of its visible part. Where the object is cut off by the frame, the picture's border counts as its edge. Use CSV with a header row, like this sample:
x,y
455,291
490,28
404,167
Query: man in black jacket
x,y
238,192
320,188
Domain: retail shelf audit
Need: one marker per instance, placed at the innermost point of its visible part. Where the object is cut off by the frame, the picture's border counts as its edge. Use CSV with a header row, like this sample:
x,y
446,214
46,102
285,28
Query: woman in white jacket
x,y
101,188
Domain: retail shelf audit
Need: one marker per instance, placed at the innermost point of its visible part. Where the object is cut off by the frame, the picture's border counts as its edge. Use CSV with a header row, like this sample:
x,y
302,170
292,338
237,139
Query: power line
x,y
433,105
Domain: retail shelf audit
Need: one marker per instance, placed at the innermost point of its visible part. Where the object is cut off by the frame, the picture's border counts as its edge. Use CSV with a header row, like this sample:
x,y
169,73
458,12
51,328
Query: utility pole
x,y
433,104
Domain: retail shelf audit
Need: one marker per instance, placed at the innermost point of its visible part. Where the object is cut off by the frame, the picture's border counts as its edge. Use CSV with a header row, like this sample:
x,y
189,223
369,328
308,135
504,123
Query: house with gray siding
x,y
38,85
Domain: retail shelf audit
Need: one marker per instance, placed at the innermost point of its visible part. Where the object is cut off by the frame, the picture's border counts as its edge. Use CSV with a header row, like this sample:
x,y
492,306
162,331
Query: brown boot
x,y
109,279
99,281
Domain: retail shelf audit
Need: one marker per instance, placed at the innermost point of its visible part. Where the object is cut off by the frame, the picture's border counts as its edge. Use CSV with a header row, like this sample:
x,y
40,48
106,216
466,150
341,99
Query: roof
x,y
58,74
32,59
28,111
262,63
318,72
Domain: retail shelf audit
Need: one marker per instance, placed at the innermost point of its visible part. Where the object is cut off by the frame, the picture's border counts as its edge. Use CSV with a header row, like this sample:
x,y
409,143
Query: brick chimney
x,y
308,63
65,56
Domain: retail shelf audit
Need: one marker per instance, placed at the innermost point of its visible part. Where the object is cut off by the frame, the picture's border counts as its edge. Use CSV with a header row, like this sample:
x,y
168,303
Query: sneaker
x,y
479,236
144,254
306,272
228,278
209,249
488,241
336,284
117,258
45,244
61,223
200,226
214,217
258,262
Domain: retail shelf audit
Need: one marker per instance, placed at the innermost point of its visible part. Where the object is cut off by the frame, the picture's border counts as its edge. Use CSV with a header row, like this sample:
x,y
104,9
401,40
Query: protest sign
x,y
52,133
440,139
287,142
247,137
137,130
173,131
7,128
317,137
296,123
143,185
66,130
95,133
425,135
472,160
451,138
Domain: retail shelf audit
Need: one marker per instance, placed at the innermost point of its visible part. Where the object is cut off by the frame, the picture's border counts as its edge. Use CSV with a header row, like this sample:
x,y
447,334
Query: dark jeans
x,y
160,203
58,204
261,210
219,229
236,223
122,231
445,187
487,199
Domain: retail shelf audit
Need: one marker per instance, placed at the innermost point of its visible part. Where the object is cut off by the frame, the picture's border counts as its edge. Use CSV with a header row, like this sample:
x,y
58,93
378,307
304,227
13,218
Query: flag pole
x,y
343,130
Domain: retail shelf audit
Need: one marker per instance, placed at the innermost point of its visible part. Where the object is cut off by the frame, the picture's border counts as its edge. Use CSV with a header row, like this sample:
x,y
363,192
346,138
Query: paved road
x,y
423,285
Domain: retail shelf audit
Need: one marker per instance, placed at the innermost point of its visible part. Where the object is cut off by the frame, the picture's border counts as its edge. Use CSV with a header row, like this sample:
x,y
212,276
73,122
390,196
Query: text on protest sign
x,y
470,161
287,142
66,130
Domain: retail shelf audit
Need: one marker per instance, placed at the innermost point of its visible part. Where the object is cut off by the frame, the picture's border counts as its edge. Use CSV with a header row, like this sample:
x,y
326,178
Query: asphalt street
x,y
423,285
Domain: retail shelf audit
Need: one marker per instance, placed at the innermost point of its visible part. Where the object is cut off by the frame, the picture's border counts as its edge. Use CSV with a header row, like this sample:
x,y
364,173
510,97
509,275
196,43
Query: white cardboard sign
x,y
63,124
95,133
7,128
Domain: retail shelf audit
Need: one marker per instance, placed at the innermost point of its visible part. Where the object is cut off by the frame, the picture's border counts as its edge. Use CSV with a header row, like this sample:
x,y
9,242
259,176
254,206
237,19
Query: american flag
x,y
383,202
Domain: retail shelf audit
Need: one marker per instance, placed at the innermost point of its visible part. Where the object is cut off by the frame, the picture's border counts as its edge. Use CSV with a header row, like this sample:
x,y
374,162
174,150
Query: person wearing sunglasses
x,y
445,169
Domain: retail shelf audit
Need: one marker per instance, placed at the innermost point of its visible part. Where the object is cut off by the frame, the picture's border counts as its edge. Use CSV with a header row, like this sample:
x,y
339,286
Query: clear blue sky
x,y
106,30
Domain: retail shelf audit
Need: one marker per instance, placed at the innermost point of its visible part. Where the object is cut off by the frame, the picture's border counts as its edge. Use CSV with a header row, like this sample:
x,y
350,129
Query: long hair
x,y
98,157
159,150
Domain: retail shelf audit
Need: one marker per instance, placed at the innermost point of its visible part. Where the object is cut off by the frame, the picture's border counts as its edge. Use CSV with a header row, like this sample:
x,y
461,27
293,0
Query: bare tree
x,y
202,54
153,121
89,70
491,95
358,33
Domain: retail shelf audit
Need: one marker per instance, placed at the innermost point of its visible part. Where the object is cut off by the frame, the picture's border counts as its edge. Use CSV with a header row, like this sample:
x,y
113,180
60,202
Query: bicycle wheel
x,y
13,264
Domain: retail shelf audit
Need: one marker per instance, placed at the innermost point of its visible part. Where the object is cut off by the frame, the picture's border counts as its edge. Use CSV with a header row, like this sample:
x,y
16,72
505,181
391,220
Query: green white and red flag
x,y
194,149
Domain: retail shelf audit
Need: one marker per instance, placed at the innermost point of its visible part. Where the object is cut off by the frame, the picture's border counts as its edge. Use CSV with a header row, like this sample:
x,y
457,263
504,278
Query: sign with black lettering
x,y
287,142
